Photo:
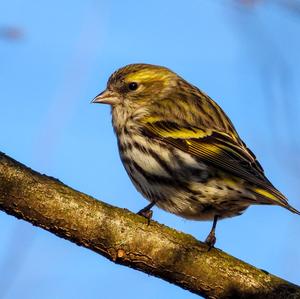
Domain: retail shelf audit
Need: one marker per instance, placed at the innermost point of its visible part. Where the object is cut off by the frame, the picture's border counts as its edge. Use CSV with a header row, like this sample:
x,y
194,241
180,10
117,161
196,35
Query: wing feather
x,y
219,149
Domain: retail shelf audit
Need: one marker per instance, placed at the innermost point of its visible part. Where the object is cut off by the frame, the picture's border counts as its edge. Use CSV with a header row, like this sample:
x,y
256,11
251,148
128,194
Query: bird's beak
x,y
106,97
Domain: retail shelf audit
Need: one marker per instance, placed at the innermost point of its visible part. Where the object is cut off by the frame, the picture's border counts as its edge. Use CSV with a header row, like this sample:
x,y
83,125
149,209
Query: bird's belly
x,y
178,183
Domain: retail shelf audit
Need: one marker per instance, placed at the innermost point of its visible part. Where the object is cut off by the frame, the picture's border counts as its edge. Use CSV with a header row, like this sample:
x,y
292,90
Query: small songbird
x,y
180,149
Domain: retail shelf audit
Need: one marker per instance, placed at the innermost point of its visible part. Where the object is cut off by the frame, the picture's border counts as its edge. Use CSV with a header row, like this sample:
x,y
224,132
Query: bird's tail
x,y
292,209
275,197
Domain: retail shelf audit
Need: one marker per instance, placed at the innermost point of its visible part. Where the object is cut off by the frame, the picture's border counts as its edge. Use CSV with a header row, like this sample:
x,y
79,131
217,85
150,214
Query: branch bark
x,y
126,238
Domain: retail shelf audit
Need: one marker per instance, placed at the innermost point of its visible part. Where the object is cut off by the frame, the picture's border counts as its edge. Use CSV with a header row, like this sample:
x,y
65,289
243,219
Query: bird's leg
x,y
211,238
146,211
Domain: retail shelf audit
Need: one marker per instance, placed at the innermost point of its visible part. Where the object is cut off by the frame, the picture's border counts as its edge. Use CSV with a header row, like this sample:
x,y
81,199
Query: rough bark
x,y
126,238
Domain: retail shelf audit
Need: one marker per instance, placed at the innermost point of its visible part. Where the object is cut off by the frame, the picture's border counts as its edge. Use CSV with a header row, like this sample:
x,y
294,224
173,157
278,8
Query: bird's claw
x,y
211,240
146,213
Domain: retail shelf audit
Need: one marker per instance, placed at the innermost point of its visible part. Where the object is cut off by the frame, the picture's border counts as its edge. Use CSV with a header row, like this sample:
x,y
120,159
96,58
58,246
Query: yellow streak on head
x,y
147,75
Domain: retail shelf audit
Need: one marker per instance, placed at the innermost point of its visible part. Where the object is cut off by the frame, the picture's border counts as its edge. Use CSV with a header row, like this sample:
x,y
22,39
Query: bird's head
x,y
137,85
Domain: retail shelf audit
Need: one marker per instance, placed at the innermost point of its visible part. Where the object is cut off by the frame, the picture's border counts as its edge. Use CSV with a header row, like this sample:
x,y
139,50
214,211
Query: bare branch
x,y
126,238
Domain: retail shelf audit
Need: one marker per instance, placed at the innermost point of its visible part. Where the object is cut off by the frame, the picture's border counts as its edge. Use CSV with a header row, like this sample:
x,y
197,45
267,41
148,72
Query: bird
x,y
180,149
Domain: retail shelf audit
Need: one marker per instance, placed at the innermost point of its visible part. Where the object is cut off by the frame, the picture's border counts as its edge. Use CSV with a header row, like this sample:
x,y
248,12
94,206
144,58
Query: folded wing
x,y
222,150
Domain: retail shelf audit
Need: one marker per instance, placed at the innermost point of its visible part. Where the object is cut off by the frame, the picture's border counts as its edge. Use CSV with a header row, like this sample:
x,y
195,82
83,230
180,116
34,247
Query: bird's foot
x,y
211,240
146,213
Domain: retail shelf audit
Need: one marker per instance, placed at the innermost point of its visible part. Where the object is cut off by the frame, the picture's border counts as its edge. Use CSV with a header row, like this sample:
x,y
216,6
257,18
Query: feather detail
x,y
221,150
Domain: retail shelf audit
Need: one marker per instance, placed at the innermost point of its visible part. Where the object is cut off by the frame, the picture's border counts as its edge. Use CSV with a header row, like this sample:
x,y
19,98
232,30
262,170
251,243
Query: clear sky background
x,y
55,56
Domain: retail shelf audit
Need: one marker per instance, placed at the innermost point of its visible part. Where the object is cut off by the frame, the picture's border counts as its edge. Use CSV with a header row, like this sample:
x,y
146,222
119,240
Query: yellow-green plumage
x,y
180,149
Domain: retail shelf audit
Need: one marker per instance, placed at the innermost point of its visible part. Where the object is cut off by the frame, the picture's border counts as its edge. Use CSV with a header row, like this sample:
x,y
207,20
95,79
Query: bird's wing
x,y
222,150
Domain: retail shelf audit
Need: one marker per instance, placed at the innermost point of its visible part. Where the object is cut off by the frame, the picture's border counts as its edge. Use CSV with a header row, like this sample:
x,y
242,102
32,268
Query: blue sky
x,y
246,58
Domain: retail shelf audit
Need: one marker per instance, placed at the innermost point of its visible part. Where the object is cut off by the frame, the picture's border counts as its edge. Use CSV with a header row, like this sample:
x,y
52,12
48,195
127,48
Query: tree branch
x,y
126,238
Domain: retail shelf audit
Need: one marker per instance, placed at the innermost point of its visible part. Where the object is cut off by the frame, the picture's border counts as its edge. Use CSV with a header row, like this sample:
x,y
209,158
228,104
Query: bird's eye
x,y
133,86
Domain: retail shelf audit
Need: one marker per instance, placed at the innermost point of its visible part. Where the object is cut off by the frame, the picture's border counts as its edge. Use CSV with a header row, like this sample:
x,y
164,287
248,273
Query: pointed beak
x,y
106,97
